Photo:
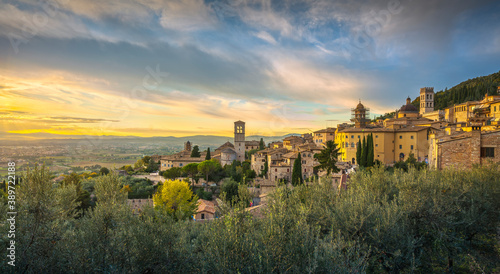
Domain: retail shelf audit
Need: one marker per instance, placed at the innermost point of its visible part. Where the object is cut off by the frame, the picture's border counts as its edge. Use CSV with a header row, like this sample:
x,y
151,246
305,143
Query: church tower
x,y
239,140
426,100
359,116
187,146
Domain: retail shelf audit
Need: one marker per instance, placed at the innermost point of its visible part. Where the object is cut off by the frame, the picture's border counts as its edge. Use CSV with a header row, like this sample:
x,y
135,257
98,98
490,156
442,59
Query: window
x,y
400,146
261,167
353,145
275,170
376,136
376,145
202,216
411,147
359,137
487,152
400,136
411,137
287,170
180,164
352,136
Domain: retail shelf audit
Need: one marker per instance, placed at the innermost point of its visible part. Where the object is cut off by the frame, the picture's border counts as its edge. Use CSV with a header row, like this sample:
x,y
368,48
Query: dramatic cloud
x,y
151,67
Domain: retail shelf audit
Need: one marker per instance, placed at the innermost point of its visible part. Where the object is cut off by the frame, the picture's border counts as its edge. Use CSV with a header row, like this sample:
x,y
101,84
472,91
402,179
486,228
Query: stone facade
x,y
462,150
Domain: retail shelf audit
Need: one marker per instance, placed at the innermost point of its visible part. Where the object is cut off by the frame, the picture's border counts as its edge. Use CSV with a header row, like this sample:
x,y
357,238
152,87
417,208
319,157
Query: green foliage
x,y
230,189
470,90
364,153
359,151
235,194
266,169
191,170
209,167
208,157
195,152
140,188
176,199
262,145
205,195
104,171
173,173
328,158
402,222
370,151
297,178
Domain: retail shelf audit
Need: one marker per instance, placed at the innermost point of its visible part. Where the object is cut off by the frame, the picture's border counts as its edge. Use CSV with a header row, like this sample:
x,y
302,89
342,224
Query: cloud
x,y
187,15
266,37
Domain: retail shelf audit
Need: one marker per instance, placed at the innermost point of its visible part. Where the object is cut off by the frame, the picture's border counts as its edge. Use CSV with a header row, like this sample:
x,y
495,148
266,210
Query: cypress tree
x,y
195,152
364,153
371,153
358,152
208,157
297,172
261,144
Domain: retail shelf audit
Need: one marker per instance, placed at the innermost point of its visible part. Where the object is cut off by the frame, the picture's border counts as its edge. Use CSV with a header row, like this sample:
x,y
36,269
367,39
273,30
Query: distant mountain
x,y
470,90
203,141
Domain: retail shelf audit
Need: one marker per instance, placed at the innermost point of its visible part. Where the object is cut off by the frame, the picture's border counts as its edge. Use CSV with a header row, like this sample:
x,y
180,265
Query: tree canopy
x,y
176,198
208,167
297,171
195,152
327,158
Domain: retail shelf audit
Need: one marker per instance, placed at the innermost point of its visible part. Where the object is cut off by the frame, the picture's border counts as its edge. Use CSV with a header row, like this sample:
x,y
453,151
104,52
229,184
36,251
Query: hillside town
x,y
460,136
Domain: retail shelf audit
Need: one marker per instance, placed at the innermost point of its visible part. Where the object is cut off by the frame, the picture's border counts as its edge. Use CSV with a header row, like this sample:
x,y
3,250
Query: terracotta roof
x,y
252,143
408,108
206,206
228,150
326,130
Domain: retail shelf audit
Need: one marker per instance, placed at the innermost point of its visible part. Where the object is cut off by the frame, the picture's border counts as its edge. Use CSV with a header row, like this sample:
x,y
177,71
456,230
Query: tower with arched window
x,y
239,140
426,100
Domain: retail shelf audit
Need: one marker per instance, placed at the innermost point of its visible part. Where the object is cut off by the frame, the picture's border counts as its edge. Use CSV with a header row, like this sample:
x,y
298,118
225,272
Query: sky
x,y
192,67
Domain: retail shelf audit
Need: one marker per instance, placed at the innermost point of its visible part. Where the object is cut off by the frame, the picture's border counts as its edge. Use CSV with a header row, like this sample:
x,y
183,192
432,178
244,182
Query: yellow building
x,y
390,145
324,135
406,134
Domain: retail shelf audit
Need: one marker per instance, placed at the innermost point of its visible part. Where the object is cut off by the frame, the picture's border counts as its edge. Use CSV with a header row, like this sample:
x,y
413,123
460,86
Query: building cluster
x,y
461,135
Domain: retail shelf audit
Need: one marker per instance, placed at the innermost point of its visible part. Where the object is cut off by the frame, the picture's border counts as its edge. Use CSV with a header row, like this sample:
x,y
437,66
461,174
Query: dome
x,y
408,108
360,106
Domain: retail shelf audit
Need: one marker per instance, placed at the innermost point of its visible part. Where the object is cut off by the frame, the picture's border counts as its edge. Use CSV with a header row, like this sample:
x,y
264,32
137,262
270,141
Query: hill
x,y
470,90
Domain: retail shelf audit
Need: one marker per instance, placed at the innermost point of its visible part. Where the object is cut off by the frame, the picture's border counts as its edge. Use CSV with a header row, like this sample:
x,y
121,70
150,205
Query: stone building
x,y
181,159
322,136
463,149
426,100
239,140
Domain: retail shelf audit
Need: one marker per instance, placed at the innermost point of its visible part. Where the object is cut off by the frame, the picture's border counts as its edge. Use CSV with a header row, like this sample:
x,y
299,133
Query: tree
x,y
208,157
327,158
297,172
364,153
104,171
177,199
139,164
172,173
262,145
152,166
83,195
191,170
359,150
208,167
230,190
370,151
266,168
195,152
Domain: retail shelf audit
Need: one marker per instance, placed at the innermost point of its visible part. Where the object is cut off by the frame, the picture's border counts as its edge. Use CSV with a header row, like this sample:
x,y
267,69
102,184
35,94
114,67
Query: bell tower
x,y
426,100
239,140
